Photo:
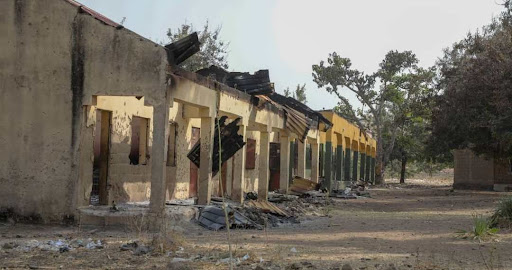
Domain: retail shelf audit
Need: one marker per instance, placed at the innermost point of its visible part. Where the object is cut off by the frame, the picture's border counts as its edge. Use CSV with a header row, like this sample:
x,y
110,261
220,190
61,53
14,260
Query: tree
x,y
299,94
410,143
391,94
213,49
287,92
474,109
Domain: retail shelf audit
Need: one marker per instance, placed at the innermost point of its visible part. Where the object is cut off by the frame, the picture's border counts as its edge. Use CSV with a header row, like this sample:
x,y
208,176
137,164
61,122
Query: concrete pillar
x,y
204,189
229,176
301,163
328,166
347,164
339,163
315,159
355,166
264,166
239,169
291,165
159,157
372,170
284,173
367,168
362,167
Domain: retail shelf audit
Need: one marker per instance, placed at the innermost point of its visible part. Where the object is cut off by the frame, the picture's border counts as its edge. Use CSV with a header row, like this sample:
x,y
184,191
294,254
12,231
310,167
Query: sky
x,y
287,37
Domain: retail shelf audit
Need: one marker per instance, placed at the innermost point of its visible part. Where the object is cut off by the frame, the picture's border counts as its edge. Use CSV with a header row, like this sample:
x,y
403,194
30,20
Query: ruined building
x,y
92,113
479,172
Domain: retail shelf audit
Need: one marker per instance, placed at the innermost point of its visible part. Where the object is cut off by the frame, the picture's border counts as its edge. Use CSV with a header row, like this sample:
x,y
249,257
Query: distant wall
x,y
472,171
503,172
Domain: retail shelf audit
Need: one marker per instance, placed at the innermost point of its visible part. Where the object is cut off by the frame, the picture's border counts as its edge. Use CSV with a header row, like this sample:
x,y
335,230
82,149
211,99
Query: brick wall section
x,y
472,171
502,172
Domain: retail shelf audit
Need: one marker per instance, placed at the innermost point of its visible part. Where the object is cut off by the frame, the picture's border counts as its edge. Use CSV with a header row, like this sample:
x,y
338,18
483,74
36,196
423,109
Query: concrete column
x,y
372,170
339,163
367,167
239,169
291,165
159,157
362,167
355,165
347,164
264,166
229,176
284,173
301,164
328,172
315,159
204,190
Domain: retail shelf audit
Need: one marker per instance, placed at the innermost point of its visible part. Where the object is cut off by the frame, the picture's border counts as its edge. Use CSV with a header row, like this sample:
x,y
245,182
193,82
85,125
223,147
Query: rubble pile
x,y
59,245
357,190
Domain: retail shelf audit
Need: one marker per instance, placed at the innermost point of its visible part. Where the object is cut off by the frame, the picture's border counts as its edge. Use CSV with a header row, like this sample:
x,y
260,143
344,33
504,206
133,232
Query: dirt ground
x,y
409,226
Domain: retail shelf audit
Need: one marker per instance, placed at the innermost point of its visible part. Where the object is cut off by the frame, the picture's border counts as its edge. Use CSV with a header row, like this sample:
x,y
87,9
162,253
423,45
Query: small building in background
x,y
478,172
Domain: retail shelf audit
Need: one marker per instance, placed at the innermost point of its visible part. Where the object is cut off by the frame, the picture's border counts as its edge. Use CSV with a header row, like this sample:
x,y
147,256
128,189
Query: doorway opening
x,y
99,193
274,166
196,132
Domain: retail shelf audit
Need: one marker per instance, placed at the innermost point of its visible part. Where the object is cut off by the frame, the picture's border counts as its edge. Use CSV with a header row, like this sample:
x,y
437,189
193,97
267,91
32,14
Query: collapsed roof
x,y
299,117
252,84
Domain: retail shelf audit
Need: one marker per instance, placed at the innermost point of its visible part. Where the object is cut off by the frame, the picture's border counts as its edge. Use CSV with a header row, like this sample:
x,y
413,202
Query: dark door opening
x,y
274,166
192,191
99,194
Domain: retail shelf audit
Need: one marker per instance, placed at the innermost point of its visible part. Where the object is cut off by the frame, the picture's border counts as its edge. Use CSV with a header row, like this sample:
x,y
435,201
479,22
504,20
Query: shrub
x,y
503,214
482,229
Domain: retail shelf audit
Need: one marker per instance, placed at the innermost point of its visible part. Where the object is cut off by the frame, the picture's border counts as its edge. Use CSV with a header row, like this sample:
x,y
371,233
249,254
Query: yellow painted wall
x,y
343,132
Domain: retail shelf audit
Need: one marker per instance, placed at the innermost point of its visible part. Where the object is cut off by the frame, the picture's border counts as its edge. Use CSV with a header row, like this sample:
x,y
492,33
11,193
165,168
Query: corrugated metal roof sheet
x,y
94,14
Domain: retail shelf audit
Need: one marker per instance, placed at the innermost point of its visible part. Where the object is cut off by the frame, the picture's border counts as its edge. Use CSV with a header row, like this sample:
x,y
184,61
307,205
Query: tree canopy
x,y
474,109
299,94
390,97
213,51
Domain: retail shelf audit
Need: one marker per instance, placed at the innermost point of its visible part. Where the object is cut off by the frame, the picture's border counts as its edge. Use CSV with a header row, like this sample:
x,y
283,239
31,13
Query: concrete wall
x,y
53,59
35,107
472,171
502,171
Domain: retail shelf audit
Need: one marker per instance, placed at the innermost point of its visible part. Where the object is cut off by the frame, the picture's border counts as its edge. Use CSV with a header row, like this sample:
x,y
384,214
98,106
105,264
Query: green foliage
x,y
482,230
299,94
213,49
287,92
475,108
392,98
503,214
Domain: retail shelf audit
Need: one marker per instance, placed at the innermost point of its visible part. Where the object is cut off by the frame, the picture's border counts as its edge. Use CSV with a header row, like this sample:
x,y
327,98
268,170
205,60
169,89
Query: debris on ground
x,y
357,190
60,245
213,218
190,201
302,185
251,195
267,207
276,197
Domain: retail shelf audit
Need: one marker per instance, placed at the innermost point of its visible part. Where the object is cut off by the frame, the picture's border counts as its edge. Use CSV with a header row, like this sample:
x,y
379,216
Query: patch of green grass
x,y
482,230
503,214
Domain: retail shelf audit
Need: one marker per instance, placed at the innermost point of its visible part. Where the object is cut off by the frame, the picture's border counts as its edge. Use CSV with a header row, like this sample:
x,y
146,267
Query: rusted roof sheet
x,y
267,207
182,49
296,122
231,142
94,14
298,106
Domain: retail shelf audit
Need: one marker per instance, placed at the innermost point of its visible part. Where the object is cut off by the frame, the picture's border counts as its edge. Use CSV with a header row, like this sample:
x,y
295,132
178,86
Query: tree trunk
x,y
402,171
379,161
